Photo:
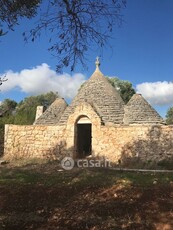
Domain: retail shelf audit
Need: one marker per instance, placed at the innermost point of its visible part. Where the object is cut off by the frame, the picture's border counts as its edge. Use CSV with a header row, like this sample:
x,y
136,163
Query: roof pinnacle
x,y
97,63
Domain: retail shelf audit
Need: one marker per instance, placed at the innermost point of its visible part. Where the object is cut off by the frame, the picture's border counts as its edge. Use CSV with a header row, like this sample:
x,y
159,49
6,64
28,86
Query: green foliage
x,y
7,107
7,119
124,87
24,112
26,109
169,116
12,11
166,163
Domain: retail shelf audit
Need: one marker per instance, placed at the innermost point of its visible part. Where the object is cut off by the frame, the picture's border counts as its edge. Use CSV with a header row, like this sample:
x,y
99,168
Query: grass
x,y
43,196
94,176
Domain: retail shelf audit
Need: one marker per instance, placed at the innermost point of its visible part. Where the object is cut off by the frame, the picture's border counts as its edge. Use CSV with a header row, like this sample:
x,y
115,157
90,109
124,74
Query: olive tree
x,y
2,79
169,116
74,26
124,87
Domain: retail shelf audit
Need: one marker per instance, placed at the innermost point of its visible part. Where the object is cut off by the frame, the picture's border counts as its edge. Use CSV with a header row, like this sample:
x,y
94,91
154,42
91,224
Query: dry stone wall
x,y
1,143
138,141
114,143
34,142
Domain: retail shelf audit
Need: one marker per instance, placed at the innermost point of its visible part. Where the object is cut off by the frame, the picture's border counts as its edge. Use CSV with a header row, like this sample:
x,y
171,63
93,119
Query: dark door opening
x,y
83,140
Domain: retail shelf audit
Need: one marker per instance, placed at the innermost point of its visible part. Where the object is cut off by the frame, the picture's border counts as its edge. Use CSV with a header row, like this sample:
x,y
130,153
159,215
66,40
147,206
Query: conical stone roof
x,y
139,111
53,114
102,96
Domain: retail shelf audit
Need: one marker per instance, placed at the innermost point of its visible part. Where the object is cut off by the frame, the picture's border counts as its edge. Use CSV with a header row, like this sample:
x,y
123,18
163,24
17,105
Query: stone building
x,y
97,123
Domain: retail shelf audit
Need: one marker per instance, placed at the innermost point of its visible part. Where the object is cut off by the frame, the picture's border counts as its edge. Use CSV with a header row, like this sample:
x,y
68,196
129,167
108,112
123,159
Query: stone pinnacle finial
x,y
97,62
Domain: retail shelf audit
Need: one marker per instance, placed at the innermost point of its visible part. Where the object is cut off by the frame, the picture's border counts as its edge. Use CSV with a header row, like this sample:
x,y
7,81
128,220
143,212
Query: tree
x,y
169,116
7,107
26,109
125,88
75,26
2,79
13,10
23,113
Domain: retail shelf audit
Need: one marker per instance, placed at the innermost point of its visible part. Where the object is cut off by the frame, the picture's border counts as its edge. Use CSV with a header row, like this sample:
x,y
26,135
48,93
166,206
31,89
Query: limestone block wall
x,y
118,142
1,143
143,141
35,142
114,143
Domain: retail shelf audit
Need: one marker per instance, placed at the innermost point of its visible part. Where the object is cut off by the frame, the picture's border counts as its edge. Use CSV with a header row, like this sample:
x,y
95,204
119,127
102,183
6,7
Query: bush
x,y
166,163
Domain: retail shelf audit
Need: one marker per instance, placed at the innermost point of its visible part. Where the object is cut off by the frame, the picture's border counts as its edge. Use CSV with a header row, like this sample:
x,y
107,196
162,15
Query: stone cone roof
x,y
139,111
53,114
102,96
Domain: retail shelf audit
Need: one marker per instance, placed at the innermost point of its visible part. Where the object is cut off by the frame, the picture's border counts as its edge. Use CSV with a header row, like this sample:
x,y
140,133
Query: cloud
x,y
157,93
42,79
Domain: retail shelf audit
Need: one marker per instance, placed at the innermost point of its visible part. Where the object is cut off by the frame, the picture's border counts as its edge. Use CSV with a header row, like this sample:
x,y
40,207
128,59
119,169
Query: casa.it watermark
x,y
68,163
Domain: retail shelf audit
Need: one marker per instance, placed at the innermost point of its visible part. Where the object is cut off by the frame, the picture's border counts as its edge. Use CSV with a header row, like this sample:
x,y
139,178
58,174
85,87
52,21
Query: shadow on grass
x,y
45,197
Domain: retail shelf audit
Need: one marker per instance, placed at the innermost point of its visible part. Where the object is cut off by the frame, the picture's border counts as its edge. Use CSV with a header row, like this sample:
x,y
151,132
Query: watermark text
x,y
68,163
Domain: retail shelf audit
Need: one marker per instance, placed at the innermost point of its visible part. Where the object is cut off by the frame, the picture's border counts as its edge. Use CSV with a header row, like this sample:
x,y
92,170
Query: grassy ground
x,y
43,196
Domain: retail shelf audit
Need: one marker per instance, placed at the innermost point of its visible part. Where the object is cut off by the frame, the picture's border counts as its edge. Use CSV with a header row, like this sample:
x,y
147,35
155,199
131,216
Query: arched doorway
x,y
83,137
